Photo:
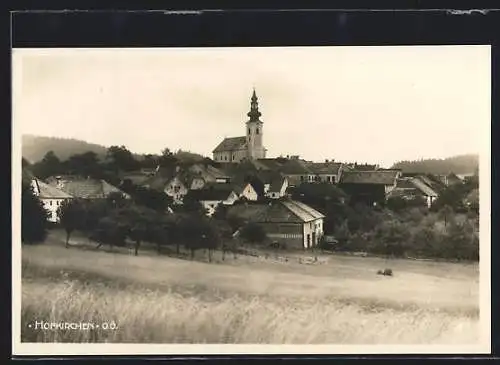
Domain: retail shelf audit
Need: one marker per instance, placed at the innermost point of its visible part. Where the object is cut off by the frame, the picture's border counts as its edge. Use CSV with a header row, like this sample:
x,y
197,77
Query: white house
x,y
50,196
176,189
277,188
246,191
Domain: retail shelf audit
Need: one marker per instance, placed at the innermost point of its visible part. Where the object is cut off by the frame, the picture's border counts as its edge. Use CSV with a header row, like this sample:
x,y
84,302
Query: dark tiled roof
x,y
285,166
49,192
87,188
277,212
211,191
295,167
231,144
384,177
405,184
324,167
276,184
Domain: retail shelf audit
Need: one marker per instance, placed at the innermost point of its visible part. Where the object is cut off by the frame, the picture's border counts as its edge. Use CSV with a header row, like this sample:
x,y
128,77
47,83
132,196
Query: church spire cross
x,y
254,113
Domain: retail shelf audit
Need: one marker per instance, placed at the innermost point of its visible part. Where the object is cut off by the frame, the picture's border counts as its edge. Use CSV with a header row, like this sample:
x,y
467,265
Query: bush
x,y
33,217
253,233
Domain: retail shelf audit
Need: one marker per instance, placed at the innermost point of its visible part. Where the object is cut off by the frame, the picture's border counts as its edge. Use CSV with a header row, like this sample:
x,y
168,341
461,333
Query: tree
x,y
192,206
140,222
95,211
50,165
150,161
447,214
116,200
122,159
110,230
71,215
149,198
167,158
84,164
164,232
253,233
33,217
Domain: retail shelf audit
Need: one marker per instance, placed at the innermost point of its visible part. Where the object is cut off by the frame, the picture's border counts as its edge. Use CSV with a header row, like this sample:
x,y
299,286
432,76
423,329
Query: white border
x,y
18,348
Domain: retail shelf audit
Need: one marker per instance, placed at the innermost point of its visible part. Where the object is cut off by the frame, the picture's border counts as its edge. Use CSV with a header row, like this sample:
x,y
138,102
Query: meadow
x,y
161,299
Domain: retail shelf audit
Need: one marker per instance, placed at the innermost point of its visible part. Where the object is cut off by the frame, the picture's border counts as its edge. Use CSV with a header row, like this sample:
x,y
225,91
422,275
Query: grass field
x,y
159,299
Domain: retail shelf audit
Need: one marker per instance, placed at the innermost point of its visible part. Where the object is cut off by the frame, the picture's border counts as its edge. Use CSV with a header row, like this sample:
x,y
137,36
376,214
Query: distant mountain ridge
x,y
461,164
34,148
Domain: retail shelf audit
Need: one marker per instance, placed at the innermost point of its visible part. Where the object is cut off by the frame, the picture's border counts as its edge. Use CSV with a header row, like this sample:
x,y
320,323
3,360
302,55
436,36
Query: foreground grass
x,y
149,314
158,299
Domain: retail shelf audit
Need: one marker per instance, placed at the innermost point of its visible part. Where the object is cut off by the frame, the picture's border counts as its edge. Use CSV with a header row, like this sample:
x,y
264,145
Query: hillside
x,y
34,149
463,164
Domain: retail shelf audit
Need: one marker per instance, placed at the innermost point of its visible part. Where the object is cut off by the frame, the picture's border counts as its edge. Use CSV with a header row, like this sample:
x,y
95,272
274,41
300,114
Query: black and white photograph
x,y
251,199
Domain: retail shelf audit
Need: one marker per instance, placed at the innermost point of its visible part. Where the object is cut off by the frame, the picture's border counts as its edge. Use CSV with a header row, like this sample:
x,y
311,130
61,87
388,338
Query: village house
x,y
370,187
293,168
245,191
209,173
328,171
432,181
213,194
84,188
411,187
167,180
237,149
275,184
51,197
450,179
289,222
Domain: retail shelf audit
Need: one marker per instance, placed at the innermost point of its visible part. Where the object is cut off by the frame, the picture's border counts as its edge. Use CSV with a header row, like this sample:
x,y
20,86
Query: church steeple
x,y
254,113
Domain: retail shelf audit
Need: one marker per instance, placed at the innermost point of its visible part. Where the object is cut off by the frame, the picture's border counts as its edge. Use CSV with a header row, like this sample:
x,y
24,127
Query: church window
x,y
248,130
257,131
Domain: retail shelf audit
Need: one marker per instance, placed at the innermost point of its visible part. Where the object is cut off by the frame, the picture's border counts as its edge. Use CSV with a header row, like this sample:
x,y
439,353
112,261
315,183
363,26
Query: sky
x,y
365,104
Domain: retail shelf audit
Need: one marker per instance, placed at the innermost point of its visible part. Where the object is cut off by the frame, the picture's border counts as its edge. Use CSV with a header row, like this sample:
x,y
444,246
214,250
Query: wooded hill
x,y
462,164
34,149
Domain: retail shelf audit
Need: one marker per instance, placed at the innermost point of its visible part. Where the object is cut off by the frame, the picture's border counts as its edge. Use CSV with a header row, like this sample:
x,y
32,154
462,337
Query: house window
x,y
328,178
302,178
333,179
50,202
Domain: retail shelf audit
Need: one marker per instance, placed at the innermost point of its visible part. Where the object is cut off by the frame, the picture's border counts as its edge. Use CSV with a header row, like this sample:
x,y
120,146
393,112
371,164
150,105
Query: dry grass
x,y
165,300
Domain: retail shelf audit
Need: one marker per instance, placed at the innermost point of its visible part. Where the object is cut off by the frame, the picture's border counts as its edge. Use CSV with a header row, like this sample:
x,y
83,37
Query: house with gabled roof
x,y
287,221
84,188
411,187
328,171
371,187
245,190
50,196
209,173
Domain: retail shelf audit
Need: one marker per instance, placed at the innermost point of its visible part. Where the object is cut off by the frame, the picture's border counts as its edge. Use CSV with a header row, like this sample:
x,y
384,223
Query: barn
x,y
289,222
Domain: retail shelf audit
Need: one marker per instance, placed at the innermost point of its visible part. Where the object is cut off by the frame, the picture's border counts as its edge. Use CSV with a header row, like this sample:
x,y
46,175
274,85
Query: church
x,y
236,149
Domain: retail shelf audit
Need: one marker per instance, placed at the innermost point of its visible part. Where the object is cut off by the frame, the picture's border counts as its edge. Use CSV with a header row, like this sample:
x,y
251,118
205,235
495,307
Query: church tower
x,y
255,131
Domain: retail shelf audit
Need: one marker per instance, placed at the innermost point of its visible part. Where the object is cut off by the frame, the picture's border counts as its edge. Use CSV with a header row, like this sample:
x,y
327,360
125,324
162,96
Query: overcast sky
x,y
365,104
